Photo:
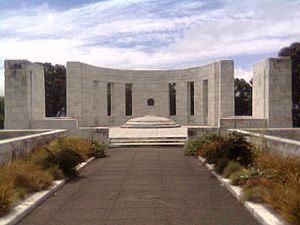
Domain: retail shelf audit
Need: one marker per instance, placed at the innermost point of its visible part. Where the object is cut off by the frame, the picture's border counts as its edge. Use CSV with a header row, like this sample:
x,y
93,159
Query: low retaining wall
x,y
6,134
95,133
234,122
277,144
54,123
15,143
12,148
194,131
287,133
237,122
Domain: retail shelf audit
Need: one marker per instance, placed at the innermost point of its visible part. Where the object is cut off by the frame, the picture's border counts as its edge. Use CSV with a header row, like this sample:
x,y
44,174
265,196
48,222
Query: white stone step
x,y
176,140
149,137
134,144
145,140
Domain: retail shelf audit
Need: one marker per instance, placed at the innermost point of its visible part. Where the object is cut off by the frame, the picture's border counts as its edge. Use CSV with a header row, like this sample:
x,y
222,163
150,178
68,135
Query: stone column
x,y
24,93
226,89
272,92
119,104
182,106
74,91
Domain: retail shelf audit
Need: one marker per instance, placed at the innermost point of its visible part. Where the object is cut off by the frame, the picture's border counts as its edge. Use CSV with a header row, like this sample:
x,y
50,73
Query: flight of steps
x,y
147,141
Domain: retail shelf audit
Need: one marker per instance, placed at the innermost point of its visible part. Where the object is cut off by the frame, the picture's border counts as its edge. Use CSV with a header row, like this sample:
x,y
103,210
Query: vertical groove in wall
x,y
31,89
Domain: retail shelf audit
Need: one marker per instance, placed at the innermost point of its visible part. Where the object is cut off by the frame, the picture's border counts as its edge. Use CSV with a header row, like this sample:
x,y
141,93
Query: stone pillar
x,y
226,89
212,95
204,105
197,119
119,104
74,90
272,92
24,93
182,106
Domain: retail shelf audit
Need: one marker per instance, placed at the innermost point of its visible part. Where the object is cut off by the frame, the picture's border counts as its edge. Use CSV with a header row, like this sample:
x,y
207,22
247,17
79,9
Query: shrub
x,y
55,172
66,159
19,178
254,193
213,151
192,146
62,155
286,199
232,167
241,177
26,177
80,145
280,168
98,149
7,198
35,172
220,165
232,148
210,148
238,149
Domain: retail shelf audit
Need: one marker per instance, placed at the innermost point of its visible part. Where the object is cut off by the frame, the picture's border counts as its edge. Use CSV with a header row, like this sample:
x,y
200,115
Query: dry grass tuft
x,y
7,198
278,185
25,175
279,168
231,168
35,172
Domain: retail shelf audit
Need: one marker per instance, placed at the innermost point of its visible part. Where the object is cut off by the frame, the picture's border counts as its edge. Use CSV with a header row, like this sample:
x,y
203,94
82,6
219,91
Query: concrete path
x,y
142,186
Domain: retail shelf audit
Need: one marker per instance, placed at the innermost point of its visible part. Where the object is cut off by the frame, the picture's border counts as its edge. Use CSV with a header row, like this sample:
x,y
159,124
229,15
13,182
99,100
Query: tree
x,y
293,51
55,90
243,97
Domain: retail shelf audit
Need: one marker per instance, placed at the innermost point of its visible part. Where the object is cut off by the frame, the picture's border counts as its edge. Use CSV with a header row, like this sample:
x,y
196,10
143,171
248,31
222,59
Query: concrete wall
x,y
54,123
16,143
13,148
87,93
24,93
272,95
92,133
286,133
274,144
196,131
226,124
242,122
6,134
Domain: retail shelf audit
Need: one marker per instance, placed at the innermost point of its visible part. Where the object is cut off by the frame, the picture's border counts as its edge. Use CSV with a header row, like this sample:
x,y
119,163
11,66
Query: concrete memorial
x,y
199,96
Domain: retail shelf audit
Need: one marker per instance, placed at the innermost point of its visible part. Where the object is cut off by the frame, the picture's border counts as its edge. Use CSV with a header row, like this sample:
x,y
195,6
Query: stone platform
x,y
150,121
120,137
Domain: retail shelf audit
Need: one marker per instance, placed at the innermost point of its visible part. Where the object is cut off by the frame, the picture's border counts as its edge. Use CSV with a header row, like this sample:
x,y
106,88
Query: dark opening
x,y
128,94
205,101
192,108
55,90
109,89
296,90
172,99
150,102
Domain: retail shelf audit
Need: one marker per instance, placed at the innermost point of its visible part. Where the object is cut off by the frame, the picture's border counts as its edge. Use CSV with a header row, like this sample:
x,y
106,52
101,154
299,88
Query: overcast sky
x,y
147,34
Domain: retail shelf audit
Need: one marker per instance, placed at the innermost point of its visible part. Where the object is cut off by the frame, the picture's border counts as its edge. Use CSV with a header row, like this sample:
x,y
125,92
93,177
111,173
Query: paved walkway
x,y
142,186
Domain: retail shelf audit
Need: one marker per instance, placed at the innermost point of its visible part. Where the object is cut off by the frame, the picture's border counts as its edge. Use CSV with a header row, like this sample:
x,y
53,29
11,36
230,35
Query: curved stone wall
x,y
87,93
